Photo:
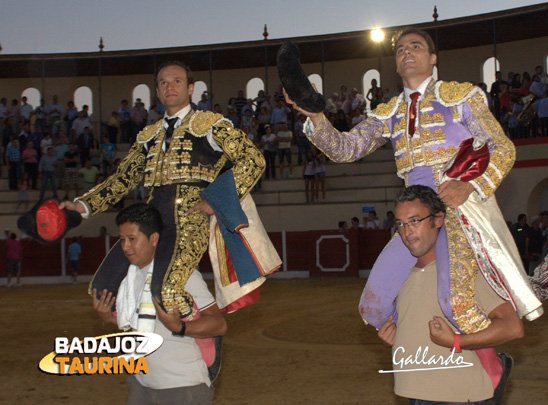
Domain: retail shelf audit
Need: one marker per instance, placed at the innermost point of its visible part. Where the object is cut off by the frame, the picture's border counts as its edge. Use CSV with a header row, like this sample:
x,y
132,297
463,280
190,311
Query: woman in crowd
x,y
372,95
516,84
258,101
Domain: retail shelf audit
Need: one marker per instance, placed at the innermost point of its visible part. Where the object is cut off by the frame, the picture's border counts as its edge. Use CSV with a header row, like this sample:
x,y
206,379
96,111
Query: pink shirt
x,y
14,249
29,156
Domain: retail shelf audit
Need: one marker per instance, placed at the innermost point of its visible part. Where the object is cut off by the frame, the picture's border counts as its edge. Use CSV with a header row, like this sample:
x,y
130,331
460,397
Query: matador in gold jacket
x,y
435,128
447,114
176,170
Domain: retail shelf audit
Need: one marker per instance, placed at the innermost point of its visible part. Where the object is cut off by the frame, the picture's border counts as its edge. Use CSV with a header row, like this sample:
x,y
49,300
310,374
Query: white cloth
x,y
259,244
178,362
371,225
494,238
134,300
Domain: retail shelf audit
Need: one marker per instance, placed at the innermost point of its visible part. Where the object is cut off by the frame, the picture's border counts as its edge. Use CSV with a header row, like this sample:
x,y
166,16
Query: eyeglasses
x,y
414,223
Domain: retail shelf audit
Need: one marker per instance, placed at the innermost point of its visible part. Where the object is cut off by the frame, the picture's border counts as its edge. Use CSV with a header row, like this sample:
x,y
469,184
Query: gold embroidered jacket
x,y
447,113
176,166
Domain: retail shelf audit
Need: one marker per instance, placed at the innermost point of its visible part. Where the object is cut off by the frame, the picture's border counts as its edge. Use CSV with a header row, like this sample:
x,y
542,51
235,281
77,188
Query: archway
x,y
142,91
366,83
316,80
538,199
83,96
490,67
199,88
33,96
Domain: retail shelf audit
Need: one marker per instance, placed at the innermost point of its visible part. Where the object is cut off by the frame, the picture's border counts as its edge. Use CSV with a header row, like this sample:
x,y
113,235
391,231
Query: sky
x,y
58,26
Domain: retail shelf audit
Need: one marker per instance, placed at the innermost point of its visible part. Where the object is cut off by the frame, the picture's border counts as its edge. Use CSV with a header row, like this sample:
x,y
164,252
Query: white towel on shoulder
x,y
134,306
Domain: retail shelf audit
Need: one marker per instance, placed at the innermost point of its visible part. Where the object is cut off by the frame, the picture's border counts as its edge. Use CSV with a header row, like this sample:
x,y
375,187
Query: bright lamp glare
x,y
377,35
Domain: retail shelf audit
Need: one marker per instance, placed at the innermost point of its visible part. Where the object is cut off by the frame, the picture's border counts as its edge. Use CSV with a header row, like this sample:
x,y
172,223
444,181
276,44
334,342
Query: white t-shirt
x,y
270,143
45,144
178,362
285,139
370,225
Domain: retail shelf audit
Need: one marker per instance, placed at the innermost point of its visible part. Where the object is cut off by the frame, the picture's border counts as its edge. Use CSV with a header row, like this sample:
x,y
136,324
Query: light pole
x,y
101,47
377,35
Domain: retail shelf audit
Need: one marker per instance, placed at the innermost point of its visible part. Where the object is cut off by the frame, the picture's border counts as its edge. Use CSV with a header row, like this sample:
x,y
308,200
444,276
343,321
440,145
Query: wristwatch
x,y
182,331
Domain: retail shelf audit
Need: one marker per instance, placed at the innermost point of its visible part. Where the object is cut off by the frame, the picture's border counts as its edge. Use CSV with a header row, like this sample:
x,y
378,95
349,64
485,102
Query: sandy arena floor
x,y
302,343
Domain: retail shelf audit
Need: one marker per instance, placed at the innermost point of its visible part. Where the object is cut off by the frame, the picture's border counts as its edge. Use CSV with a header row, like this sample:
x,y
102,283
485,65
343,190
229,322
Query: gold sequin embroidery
x,y
456,115
427,120
454,92
399,127
192,242
113,189
481,123
248,161
425,106
400,146
187,144
149,132
463,271
432,138
385,110
202,122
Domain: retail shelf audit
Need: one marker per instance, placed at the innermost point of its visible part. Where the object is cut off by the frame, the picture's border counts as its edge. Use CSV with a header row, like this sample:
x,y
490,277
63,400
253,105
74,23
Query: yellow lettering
x,y
76,366
126,366
105,364
62,361
101,365
87,362
141,366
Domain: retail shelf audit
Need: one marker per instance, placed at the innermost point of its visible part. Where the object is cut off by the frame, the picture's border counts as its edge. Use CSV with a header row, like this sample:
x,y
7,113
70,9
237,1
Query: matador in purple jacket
x,y
444,137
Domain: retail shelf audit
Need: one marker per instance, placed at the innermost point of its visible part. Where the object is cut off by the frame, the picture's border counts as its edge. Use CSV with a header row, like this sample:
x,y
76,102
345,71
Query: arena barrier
x,y
304,254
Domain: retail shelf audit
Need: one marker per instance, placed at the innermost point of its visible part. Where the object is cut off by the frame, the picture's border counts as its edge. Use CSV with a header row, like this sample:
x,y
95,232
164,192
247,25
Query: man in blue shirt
x,y
108,151
73,255
13,155
279,116
124,120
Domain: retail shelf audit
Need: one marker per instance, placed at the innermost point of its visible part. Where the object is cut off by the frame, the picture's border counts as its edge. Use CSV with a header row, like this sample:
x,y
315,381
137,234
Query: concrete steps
x,y
281,203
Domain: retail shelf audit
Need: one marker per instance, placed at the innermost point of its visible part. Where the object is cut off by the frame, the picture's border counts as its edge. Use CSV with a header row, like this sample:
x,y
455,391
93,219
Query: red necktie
x,y
413,111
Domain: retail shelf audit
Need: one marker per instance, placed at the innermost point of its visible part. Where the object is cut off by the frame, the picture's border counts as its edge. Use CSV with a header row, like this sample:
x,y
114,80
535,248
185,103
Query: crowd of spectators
x,y
371,221
54,144
271,124
531,239
519,103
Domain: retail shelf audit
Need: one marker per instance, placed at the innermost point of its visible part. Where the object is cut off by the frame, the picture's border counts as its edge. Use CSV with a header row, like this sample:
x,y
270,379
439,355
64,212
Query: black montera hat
x,y
294,80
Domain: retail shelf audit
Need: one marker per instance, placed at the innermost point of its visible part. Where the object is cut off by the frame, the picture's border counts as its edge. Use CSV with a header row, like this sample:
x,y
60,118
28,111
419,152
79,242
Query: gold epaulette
x,y
453,93
386,110
149,132
202,121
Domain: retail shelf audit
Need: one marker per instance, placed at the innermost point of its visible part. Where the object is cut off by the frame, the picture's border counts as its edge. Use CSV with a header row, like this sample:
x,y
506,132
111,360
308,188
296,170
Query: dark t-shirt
x,y
70,155
520,235
535,240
